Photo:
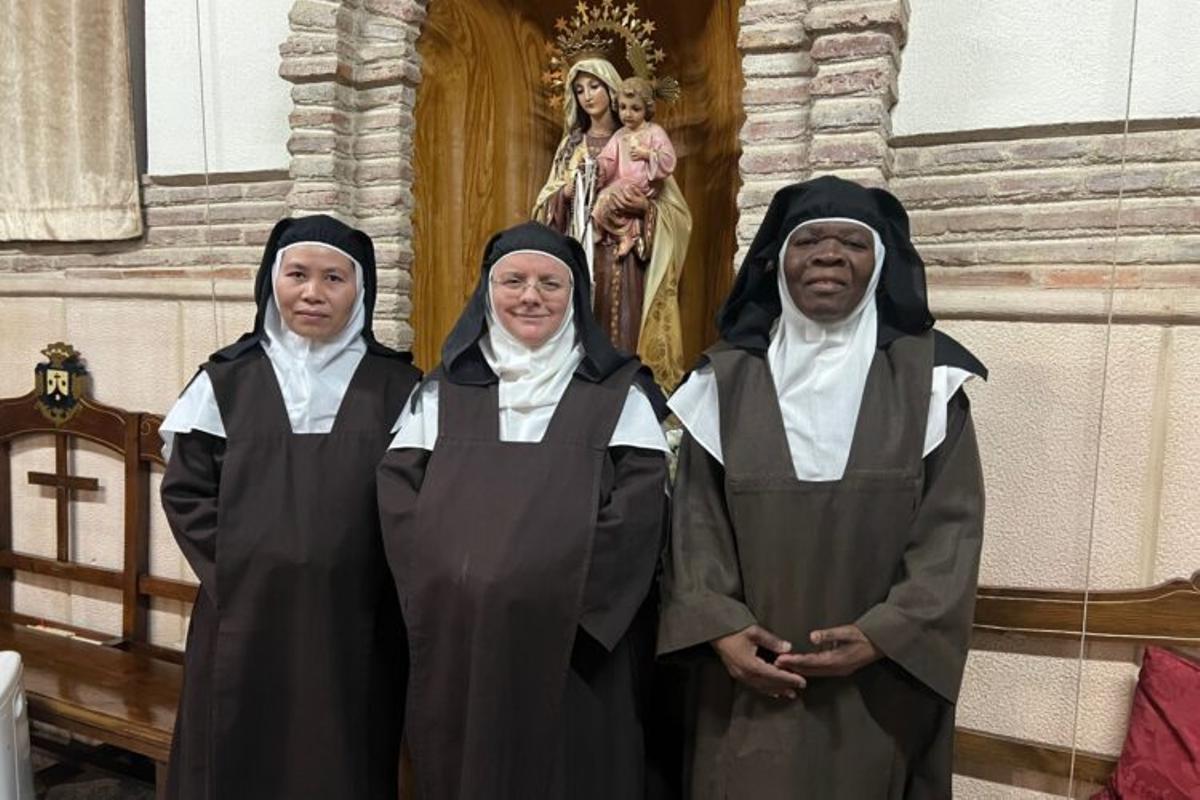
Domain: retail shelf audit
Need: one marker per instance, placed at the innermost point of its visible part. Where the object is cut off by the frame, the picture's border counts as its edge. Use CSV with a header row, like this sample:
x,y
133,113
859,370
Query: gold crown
x,y
59,353
596,31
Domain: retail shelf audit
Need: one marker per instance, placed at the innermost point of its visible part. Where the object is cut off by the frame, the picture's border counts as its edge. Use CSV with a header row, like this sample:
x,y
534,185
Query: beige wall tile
x,y
168,623
1177,543
1040,685
1038,690
42,597
34,507
27,324
98,518
95,608
198,339
166,560
127,344
1126,496
975,789
1036,420
1038,423
1105,695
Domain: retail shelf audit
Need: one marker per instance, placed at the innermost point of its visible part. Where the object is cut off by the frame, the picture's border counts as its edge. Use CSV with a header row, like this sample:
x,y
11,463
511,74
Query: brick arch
x,y
820,86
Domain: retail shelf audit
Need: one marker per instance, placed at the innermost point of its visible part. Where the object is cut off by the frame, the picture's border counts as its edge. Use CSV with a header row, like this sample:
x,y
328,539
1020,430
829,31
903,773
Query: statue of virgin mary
x,y
636,296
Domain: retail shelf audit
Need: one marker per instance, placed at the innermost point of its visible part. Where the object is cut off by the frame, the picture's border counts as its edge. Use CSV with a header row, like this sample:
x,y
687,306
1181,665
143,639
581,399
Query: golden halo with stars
x,y
602,30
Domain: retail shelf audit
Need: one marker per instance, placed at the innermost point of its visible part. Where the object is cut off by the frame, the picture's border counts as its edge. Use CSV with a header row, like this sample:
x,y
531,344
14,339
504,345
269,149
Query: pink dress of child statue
x,y
640,156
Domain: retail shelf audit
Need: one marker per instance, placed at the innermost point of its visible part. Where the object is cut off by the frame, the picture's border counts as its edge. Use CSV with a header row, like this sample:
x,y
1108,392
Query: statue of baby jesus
x,y
638,157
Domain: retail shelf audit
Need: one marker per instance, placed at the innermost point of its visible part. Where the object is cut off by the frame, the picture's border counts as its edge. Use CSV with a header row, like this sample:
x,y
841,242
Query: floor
x,y
116,776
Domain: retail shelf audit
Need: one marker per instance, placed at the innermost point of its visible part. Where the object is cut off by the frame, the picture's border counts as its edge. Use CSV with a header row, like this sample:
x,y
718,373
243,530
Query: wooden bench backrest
x,y
1167,614
150,451
60,406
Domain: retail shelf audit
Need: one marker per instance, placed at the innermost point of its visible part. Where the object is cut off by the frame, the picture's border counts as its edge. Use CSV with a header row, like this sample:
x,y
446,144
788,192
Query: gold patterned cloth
x,y
69,170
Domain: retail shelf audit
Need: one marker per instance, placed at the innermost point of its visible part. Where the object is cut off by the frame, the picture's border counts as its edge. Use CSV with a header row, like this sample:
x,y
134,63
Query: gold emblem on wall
x,y
60,384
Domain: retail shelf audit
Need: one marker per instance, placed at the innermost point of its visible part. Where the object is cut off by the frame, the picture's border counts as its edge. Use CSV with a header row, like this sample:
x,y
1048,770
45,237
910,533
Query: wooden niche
x,y
486,133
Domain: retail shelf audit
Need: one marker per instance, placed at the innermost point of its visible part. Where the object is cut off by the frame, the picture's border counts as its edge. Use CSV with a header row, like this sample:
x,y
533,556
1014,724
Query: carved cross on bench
x,y
63,484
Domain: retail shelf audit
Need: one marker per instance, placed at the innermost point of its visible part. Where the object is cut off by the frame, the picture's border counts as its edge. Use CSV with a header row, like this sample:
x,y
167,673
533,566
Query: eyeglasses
x,y
546,287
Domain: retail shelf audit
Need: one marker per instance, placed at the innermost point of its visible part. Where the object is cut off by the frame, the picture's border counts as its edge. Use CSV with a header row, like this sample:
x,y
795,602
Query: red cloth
x,y
1161,756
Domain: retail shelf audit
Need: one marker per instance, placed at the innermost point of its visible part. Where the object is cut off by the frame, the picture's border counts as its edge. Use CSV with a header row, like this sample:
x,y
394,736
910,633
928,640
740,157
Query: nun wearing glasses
x,y
293,674
523,512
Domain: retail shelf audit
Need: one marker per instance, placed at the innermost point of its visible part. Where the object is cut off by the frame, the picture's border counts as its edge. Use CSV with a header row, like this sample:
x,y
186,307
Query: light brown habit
x,y
892,547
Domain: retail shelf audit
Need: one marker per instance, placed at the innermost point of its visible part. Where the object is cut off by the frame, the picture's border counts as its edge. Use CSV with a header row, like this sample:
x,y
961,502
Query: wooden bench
x,y
1167,615
118,689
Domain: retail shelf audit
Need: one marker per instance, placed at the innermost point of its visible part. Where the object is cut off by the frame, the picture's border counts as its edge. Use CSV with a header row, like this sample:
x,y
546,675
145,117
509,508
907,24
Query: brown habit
x,y
293,673
892,547
525,571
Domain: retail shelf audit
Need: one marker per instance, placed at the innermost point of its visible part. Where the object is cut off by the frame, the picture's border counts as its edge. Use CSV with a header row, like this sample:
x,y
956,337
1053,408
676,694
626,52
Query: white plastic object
x,y
16,770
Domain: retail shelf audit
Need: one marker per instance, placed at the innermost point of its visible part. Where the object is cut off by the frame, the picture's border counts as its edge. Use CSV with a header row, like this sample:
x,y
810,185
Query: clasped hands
x,y
840,651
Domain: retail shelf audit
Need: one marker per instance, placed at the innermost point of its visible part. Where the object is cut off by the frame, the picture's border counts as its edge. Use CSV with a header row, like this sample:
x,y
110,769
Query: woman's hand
x,y
844,651
739,653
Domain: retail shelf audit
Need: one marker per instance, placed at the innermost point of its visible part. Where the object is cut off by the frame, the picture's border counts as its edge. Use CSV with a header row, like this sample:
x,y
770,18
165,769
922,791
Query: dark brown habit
x,y
892,547
293,675
525,573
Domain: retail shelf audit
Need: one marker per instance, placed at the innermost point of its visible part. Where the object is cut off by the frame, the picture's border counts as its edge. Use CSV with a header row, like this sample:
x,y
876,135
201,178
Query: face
x,y
591,94
828,267
633,112
530,295
316,290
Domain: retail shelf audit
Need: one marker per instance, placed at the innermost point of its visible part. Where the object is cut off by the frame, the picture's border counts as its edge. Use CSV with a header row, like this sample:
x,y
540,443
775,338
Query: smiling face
x,y
592,96
828,266
530,296
315,290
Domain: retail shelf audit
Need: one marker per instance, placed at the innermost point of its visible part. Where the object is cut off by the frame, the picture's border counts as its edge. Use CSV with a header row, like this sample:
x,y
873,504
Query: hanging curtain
x,y
68,169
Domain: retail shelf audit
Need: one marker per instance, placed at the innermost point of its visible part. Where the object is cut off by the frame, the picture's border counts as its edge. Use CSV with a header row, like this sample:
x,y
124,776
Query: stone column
x,y
355,70
856,54
820,85
775,137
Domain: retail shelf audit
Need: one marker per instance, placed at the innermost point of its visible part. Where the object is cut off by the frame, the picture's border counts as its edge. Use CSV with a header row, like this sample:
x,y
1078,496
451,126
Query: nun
x,y
294,662
828,506
524,513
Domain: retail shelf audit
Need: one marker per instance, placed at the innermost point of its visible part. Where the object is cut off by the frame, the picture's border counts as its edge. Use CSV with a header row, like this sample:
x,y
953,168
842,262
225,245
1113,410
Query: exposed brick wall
x,y
997,216
185,234
355,68
855,50
776,135
820,85
1040,211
